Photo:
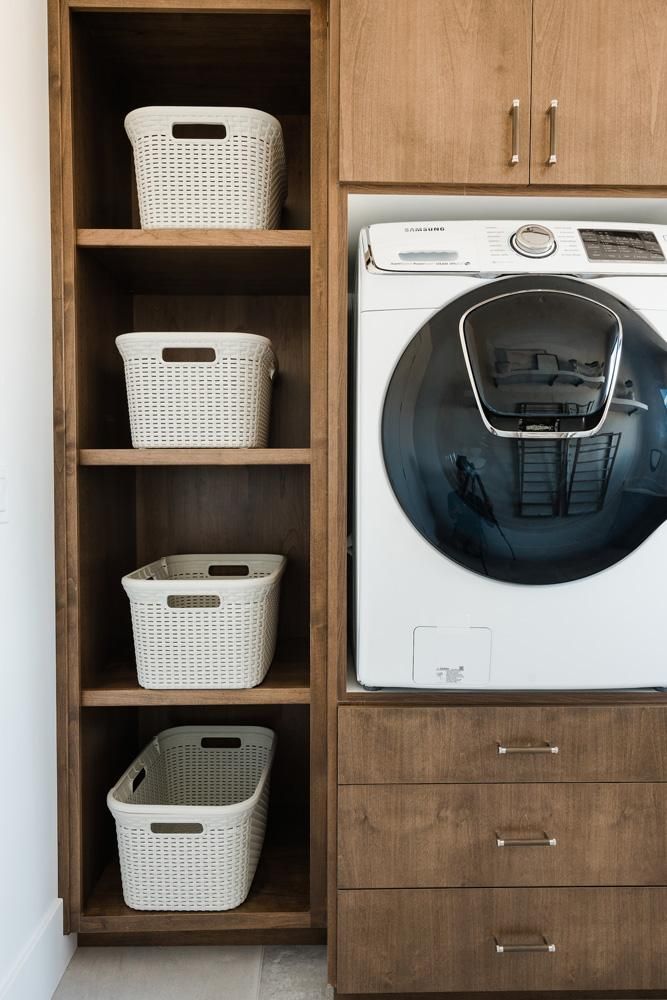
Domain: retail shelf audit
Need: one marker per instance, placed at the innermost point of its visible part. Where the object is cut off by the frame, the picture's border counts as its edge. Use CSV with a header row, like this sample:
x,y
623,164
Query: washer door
x,y
524,430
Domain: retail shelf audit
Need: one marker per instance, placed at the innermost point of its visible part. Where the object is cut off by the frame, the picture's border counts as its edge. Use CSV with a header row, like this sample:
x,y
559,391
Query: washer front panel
x,y
529,510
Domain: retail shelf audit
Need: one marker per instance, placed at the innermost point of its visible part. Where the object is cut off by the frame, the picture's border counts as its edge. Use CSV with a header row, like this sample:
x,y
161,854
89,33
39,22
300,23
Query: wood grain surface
x,y
604,62
426,88
404,836
407,940
601,743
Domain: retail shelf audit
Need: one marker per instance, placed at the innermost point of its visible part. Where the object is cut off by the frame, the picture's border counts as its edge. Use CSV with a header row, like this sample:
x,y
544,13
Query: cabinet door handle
x,y
553,111
514,112
508,949
545,841
542,748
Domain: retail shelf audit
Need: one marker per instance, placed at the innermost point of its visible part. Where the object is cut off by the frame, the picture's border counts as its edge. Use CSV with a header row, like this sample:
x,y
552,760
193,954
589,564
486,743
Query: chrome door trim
x,y
543,435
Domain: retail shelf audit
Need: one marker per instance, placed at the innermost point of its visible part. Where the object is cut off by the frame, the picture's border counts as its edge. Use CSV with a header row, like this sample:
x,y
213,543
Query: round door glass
x,y
530,509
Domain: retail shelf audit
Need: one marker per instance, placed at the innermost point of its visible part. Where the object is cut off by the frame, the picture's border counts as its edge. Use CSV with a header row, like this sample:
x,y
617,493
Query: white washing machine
x,y
511,456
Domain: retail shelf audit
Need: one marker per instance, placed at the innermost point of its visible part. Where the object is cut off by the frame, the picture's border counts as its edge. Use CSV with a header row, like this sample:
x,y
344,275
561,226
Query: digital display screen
x,y
621,244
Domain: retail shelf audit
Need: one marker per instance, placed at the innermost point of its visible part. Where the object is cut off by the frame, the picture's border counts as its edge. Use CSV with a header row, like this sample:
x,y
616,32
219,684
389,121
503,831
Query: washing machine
x,y
510,470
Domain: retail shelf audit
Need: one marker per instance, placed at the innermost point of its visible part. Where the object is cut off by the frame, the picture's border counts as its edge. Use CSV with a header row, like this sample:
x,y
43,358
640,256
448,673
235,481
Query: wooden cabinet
x,y
525,834
426,90
427,86
119,508
429,940
540,830
388,744
604,62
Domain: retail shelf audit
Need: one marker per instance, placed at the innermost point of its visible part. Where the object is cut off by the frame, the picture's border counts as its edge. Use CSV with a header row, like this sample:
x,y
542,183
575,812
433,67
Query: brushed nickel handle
x,y
514,112
542,748
553,156
508,949
545,841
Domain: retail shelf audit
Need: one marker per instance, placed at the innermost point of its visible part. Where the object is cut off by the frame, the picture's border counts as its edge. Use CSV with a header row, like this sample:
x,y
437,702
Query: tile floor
x,y
271,973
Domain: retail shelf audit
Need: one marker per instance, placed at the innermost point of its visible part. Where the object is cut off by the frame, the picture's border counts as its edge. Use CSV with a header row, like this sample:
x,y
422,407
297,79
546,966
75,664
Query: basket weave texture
x,y
235,182
195,629
190,817
219,398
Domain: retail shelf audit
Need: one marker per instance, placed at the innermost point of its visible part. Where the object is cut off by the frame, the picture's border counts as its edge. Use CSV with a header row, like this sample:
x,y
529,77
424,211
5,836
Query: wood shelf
x,y
194,456
287,683
278,899
239,239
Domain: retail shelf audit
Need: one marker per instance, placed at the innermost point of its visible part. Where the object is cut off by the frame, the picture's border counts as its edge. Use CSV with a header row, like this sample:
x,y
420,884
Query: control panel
x,y
515,247
619,244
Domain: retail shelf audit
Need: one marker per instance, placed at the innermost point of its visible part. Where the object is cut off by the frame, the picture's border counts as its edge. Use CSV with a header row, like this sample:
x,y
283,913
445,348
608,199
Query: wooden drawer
x,y
406,941
387,745
447,835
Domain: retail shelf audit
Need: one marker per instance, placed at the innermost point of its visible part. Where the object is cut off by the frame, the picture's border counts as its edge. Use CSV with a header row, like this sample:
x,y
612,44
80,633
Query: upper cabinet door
x,y
427,89
605,63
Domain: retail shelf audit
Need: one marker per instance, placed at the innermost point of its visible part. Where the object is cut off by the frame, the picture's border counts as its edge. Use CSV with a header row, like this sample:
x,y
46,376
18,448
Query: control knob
x,y
533,241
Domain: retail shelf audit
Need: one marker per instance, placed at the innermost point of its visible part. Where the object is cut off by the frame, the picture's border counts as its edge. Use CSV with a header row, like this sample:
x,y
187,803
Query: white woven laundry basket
x,y
219,396
190,817
205,621
235,182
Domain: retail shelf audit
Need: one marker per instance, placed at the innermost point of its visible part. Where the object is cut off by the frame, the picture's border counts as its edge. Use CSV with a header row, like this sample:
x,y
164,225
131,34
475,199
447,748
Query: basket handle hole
x,y
227,570
138,778
198,355
198,130
193,601
177,828
221,742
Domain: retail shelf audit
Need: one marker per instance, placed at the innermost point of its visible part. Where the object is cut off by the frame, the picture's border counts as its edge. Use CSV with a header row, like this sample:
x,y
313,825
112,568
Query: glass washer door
x,y
545,358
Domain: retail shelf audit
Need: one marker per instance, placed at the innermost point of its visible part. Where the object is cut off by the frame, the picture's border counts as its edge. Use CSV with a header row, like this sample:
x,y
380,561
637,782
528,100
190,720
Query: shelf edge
x,y
182,239
194,456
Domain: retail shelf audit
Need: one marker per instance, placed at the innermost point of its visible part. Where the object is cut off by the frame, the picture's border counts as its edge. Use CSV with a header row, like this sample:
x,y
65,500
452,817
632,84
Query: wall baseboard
x,y
41,963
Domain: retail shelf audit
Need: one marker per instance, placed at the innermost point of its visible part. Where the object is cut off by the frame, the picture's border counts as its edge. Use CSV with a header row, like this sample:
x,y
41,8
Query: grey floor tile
x,y
195,973
298,973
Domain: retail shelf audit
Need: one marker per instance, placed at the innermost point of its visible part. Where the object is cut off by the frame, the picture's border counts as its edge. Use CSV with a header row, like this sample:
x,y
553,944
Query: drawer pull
x,y
545,841
553,156
542,748
515,131
508,949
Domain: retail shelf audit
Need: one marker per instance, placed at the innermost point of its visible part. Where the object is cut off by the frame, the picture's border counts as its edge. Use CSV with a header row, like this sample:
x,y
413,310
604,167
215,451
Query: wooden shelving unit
x,y
119,507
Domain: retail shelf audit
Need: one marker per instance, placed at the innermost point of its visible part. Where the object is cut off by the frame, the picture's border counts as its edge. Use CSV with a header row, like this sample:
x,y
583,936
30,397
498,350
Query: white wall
x,y
33,953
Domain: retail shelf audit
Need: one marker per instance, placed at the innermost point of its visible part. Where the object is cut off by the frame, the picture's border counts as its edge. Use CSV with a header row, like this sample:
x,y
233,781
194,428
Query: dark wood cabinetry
x,y
501,848
118,507
447,940
525,834
390,745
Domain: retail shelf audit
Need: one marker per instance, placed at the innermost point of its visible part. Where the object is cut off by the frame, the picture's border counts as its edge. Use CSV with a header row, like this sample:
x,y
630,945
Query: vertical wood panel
x,y
69,663
336,466
57,143
318,468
